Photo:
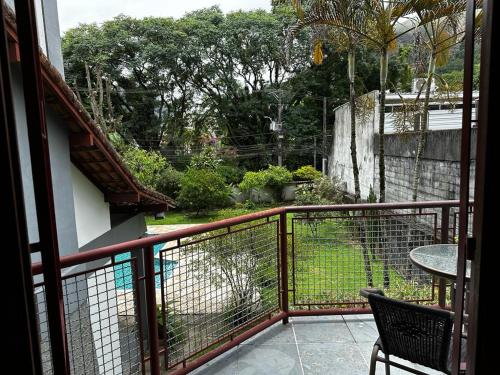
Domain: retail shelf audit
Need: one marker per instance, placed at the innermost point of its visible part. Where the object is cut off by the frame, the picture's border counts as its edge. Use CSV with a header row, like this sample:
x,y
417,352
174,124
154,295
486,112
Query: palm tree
x,y
379,23
441,23
345,40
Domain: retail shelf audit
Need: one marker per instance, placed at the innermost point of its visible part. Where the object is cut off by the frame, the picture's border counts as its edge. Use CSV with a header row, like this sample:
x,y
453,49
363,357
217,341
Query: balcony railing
x,y
175,301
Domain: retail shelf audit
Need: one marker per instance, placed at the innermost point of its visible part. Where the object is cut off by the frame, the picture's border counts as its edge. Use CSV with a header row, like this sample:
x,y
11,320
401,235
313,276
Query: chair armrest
x,y
366,291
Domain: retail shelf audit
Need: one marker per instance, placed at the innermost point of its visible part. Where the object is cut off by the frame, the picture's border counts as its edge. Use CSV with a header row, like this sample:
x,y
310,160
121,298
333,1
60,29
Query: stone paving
x,y
307,345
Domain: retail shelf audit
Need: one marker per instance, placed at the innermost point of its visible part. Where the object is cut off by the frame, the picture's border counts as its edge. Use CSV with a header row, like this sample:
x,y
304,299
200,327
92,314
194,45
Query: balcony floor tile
x,y
336,345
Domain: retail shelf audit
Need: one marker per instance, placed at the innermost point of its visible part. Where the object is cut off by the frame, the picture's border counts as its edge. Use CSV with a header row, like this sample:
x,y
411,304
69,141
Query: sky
x,y
74,12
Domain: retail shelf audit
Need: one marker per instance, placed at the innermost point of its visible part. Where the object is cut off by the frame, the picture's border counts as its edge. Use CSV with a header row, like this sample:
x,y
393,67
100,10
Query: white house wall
x,y
441,119
91,211
58,134
49,36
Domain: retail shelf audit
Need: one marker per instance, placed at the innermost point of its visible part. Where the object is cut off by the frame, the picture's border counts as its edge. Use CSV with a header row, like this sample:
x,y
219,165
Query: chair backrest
x,y
416,333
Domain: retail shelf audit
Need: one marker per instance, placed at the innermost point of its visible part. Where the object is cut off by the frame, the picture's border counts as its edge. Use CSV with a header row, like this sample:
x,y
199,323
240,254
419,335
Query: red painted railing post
x,y
154,345
445,225
284,265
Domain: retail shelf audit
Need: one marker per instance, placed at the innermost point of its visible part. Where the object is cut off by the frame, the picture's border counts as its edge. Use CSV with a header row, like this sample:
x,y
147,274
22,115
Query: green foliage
x,y
273,177
305,195
173,327
277,177
454,80
404,70
170,182
175,80
250,205
203,189
306,173
253,180
329,190
245,271
322,191
147,166
206,159
231,174
372,198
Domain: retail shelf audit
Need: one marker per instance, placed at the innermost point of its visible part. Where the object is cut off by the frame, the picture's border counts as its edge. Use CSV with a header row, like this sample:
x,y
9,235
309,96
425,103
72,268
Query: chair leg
x,y
373,360
387,366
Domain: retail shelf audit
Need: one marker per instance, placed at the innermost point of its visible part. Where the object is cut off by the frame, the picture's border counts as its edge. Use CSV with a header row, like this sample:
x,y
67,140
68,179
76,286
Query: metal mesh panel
x,y
221,284
333,257
43,328
102,321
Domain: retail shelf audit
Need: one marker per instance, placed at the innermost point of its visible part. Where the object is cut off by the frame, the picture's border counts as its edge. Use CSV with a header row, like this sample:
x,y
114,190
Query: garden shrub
x,y
322,192
253,180
306,195
203,189
146,166
170,182
277,177
231,174
306,173
274,177
328,190
206,159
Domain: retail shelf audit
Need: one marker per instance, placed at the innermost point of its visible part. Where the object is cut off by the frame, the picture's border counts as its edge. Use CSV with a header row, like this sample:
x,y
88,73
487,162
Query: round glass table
x,y
439,260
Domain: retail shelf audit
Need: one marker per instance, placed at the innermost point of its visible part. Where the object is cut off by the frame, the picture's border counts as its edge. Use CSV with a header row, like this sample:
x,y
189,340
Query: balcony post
x,y
284,265
154,345
445,225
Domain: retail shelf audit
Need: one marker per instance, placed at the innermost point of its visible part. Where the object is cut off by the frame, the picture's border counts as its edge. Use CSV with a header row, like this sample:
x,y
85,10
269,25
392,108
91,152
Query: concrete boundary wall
x,y
440,167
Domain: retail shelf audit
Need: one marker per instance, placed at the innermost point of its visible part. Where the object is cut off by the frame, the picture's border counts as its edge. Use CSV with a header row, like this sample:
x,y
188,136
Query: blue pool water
x,y
123,271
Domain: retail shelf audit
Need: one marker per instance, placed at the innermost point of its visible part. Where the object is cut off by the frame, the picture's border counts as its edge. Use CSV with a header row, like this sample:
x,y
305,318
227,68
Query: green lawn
x,y
184,217
330,266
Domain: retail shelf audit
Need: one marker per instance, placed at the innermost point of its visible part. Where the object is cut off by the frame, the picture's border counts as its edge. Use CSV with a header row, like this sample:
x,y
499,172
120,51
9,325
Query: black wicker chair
x,y
418,334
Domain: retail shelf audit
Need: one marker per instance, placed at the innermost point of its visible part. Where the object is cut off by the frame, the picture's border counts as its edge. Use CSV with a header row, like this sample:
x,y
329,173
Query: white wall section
x,y
91,211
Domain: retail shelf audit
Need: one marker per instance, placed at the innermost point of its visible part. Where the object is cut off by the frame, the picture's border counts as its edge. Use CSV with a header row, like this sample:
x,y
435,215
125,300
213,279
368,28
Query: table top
x,y
439,260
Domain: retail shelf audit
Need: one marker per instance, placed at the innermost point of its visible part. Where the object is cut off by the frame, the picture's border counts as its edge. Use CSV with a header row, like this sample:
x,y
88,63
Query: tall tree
x,y
141,57
441,24
344,40
379,23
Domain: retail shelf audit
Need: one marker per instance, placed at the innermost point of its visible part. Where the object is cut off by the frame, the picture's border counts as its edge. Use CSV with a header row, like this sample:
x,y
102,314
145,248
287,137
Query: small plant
x,y
328,189
306,173
173,328
372,198
249,205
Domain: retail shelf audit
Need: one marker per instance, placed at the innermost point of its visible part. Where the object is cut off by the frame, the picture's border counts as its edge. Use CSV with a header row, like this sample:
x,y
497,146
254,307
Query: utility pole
x,y
278,125
323,152
315,165
280,131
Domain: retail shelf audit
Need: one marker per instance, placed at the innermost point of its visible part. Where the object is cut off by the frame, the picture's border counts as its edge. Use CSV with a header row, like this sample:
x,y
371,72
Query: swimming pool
x,y
123,272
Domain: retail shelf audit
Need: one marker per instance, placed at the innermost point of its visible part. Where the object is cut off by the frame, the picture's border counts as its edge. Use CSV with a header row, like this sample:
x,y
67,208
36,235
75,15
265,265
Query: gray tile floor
x,y
308,345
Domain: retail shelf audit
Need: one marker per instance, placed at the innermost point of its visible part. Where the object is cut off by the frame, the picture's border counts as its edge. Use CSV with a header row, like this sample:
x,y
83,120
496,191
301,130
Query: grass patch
x,y
186,217
330,267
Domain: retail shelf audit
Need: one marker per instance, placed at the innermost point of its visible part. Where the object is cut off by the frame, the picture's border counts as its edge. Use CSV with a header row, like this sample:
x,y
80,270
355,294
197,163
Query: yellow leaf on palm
x,y
318,52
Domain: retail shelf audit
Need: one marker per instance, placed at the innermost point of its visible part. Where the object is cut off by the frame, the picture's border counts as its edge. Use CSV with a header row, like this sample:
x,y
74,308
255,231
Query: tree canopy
x,y
179,84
